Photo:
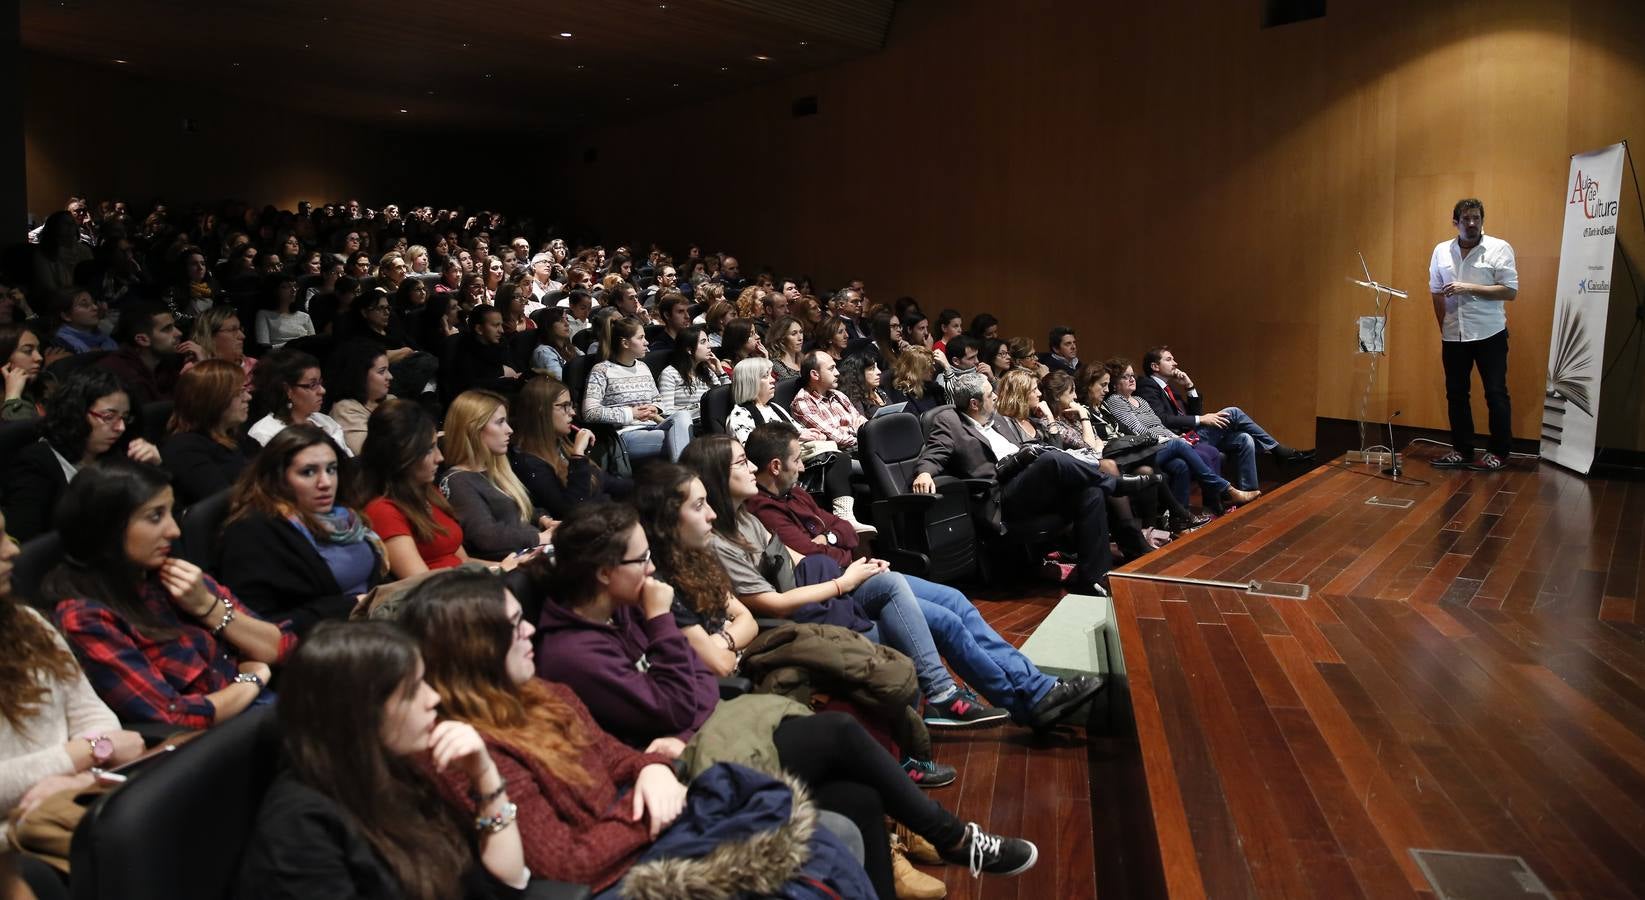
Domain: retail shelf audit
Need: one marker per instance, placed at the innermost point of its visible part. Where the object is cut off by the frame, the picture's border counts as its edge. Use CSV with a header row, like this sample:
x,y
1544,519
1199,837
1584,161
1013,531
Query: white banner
x,y
1570,406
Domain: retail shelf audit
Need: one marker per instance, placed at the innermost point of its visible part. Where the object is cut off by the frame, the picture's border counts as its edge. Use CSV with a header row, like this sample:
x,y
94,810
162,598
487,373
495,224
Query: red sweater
x,y
796,520
580,835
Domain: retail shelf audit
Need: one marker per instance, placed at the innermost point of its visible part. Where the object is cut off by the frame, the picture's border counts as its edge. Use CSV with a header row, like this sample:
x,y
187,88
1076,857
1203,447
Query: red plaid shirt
x,y
831,414
148,680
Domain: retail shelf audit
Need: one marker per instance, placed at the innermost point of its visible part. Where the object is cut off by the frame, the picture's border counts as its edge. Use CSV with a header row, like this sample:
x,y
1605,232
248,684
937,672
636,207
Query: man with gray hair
x,y
1033,478
542,278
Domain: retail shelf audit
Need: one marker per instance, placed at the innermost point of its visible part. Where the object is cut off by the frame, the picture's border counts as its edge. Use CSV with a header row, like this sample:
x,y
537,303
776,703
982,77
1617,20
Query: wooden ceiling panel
x,y
502,65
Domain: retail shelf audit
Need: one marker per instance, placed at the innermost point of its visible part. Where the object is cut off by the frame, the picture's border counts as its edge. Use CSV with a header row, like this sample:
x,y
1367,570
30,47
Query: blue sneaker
x,y
963,710
928,773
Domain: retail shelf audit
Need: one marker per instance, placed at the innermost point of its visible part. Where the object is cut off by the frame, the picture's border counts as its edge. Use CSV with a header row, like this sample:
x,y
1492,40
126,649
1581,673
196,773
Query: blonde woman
x,y
489,501
218,334
911,381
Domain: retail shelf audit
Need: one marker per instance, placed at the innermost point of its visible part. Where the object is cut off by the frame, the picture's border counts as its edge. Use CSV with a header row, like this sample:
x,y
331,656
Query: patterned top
x,y
148,680
831,413
1139,419
614,390
677,396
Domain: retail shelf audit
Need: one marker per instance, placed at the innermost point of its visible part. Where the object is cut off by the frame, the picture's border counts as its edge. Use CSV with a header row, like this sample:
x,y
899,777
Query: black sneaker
x,y
1453,460
1062,700
928,773
963,710
1192,523
1490,462
992,853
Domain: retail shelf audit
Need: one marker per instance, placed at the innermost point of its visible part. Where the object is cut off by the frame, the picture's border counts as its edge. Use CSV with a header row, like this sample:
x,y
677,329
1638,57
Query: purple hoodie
x,y
639,677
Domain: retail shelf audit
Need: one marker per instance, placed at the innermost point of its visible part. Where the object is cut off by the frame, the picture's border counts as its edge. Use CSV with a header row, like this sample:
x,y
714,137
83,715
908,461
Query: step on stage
x,y
1466,676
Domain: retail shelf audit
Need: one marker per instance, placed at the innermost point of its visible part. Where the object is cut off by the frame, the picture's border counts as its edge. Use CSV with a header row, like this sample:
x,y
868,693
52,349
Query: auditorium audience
x,y
740,341
359,382
278,319
554,349
150,352
202,449
398,462
356,812
859,381
218,334
690,371
785,342
482,358
160,640
78,320
288,384
550,453
290,548
487,498
20,348
622,393
913,382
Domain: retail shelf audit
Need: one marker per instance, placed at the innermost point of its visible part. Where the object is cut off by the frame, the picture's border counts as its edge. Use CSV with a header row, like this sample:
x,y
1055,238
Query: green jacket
x,y
739,731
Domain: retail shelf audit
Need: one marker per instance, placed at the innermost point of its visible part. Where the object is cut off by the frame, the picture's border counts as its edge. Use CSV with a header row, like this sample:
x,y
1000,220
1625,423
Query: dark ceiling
x,y
500,64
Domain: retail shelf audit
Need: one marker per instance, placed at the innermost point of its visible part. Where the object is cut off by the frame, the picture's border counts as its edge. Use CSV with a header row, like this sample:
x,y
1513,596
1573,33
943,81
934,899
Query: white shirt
x,y
268,426
996,441
1470,317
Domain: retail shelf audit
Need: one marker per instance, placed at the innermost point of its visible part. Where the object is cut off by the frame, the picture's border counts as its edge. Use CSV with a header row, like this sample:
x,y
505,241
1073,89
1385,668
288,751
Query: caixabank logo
x,y
1593,286
1585,192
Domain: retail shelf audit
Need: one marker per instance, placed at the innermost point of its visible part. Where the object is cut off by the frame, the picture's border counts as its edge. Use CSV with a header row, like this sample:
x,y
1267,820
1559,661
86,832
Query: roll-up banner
x,y
1570,405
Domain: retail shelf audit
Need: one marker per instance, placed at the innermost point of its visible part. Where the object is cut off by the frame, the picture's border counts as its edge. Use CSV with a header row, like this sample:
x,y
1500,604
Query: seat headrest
x,y
895,437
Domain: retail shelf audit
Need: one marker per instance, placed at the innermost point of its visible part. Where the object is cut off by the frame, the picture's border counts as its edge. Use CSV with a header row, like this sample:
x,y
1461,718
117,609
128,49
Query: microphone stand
x,y
1393,454
1383,308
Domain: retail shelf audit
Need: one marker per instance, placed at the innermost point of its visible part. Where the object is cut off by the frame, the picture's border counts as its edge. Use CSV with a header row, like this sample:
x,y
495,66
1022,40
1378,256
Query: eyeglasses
x,y
1128,377
640,560
110,416
309,385
566,405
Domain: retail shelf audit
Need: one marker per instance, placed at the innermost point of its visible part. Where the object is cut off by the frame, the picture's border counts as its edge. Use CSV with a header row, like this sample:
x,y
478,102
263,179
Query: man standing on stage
x,y
1470,279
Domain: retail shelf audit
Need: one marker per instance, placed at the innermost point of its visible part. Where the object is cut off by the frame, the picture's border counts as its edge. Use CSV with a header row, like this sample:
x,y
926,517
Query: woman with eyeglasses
x,y
290,548
88,418
159,639
219,334
288,384
202,447
550,453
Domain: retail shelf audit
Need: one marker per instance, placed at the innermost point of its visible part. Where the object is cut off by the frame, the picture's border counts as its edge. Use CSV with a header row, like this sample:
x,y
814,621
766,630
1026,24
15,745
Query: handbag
x,y
1130,449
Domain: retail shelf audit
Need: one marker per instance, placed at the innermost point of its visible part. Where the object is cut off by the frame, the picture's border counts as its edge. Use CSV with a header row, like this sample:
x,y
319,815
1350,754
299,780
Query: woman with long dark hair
x,y
357,383
692,369
608,613
401,502
20,348
860,382
159,639
554,349
622,393
202,448
550,453
357,813
291,549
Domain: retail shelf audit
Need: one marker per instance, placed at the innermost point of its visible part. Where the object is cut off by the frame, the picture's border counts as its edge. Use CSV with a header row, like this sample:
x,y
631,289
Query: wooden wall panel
x,y
1161,172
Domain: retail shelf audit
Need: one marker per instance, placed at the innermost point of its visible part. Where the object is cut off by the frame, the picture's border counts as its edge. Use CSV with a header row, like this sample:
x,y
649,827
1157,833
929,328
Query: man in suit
x,y
963,443
1171,393
1064,355
847,305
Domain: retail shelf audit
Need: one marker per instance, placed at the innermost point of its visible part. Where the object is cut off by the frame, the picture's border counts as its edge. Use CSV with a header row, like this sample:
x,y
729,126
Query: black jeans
x,y
1075,489
851,774
1491,356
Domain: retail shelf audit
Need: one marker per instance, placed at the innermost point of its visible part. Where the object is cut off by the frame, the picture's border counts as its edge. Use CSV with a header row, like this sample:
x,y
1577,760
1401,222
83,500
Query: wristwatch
x,y
248,678
101,748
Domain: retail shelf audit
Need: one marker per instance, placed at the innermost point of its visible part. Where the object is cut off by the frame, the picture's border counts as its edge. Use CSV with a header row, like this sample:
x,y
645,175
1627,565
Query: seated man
x,y
151,353
964,356
963,443
1064,355
996,669
1169,391
675,313
819,405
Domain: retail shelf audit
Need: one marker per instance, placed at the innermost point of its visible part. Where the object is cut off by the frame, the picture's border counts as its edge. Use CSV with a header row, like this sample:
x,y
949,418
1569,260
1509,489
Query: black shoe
x,y
1291,454
992,853
1454,460
1136,484
1181,525
928,773
1062,700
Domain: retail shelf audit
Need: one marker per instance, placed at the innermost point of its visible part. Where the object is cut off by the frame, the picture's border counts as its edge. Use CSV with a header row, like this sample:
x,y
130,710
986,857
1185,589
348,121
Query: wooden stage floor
x,y
1468,675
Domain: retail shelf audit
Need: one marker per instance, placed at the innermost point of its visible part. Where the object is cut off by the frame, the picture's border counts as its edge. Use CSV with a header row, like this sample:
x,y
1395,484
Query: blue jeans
x,y
1180,462
666,437
995,668
1240,440
900,625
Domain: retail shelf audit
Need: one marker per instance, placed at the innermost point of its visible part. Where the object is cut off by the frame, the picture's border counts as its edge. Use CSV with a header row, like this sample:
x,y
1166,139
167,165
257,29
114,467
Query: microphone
x,y
1393,454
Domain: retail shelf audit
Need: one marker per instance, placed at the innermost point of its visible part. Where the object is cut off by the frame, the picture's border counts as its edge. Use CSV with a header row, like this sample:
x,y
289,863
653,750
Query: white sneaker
x,y
861,528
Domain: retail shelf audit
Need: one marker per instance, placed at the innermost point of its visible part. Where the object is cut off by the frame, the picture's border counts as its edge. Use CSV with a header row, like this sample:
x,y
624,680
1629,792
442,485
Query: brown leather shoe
x,y
1238,497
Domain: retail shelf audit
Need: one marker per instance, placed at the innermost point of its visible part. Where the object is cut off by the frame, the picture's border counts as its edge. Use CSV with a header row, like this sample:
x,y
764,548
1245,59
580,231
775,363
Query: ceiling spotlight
x,y
488,74
579,67
802,43
762,57
431,93
565,34
236,65
725,68
675,84
405,110
121,61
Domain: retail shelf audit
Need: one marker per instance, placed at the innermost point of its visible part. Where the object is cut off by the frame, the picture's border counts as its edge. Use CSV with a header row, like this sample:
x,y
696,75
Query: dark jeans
x,y
851,774
1057,482
1491,355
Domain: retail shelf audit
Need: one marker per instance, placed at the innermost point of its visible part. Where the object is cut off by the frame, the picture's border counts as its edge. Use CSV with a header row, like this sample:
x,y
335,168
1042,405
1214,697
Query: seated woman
x,y
53,726
278,319
550,453
202,450
1099,427
357,812
218,334
288,384
20,348
1179,459
403,505
554,349
860,382
831,337
785,342
158,638
86,420
77,316
692,369
739,341
607,613
372,318
622,393
486,496
359,382
289,549
913,381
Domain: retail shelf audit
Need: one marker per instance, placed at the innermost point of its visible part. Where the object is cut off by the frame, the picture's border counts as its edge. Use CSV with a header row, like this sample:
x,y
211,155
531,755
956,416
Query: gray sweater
x,y
492,528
